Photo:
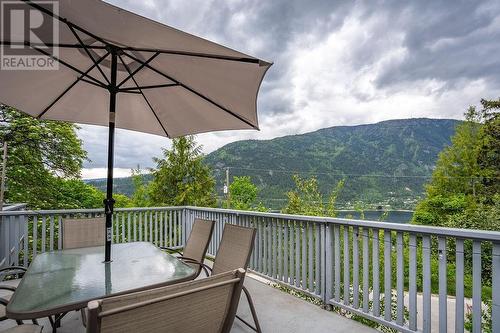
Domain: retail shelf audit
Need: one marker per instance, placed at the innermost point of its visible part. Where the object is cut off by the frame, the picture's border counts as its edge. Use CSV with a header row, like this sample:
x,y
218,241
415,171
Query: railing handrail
x,y
83,210
473,234
476,234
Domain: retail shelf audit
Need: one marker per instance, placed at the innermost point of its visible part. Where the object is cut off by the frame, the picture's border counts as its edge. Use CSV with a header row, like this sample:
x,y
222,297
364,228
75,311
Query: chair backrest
x,y
235,248
199,239
207,305
85,232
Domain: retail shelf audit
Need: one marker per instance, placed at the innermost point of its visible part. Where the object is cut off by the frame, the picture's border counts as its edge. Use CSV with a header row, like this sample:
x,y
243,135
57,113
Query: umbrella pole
x,y
109,201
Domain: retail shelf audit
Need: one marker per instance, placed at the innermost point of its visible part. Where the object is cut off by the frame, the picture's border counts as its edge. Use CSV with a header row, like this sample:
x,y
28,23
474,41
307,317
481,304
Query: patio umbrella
x,y
118,69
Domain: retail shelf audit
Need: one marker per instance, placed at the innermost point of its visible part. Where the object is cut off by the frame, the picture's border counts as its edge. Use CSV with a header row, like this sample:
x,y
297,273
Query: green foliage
x,y
467,172
181,177
43,164
486,323
243,194
306,199
140,196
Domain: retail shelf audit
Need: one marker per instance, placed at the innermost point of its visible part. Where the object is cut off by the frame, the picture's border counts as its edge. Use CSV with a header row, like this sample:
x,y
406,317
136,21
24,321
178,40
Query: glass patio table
x,y
61,281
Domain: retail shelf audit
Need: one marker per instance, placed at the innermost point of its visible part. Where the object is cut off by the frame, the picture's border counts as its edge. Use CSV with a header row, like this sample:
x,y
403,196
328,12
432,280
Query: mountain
x,y
386,163
382,164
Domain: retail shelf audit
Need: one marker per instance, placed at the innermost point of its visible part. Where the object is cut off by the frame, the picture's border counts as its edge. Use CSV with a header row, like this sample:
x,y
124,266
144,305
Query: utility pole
x,y
4,165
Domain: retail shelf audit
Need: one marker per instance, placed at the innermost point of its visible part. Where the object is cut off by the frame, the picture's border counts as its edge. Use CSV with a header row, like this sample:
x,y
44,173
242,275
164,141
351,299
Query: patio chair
x,y
86,232
206,305
10,287
197,244
234,251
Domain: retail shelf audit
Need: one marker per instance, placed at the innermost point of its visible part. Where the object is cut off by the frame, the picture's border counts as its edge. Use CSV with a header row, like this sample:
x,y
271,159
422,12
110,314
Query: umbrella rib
x,y
64,45
80,78
70,66
194,92
143,96
87,51
196,54
149,87
131,74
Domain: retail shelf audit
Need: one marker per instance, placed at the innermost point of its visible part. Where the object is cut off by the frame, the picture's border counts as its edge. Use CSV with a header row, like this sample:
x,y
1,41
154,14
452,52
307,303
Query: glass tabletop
x,y
65,280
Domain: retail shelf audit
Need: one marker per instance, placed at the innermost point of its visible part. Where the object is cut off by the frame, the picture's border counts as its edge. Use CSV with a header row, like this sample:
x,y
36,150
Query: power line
x,y
351,174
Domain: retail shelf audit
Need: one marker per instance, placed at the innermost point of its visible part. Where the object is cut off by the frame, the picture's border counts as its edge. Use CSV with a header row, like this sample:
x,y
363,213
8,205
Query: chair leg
x,y
252,310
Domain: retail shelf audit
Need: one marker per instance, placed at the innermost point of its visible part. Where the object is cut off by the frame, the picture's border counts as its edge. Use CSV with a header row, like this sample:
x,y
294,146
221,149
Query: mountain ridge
x,y
383,164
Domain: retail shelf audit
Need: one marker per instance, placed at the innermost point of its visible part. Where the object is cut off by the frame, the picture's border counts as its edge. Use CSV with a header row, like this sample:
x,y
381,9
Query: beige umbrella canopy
x,y
116,68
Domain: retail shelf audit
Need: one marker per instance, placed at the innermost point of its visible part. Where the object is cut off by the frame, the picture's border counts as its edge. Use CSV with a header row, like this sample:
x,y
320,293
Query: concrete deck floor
x,y
277,311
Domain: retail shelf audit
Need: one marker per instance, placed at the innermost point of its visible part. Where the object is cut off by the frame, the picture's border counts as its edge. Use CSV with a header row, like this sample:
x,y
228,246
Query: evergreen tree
x,y
181,177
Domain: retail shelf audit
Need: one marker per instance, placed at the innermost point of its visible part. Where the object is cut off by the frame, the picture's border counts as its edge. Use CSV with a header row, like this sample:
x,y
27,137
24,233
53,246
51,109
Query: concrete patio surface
x,y
277,311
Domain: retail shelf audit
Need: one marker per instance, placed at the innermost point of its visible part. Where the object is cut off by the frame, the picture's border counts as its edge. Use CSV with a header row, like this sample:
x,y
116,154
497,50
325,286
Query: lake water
x,y
394,216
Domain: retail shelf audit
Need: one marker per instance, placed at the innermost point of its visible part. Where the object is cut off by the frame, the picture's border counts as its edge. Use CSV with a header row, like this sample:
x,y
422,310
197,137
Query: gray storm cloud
x,y
335,62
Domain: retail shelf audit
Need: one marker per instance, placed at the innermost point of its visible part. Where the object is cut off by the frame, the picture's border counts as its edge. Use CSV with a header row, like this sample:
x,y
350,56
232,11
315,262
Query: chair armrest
x,y
3,301
13,268
7,287
204,266
170,249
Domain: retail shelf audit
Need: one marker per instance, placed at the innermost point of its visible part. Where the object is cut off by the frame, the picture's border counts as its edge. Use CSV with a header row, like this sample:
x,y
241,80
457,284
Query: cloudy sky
x,y
335,63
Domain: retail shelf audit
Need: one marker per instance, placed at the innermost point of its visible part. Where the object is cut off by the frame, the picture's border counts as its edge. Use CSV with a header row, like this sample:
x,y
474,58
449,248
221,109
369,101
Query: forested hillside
x,y
386,163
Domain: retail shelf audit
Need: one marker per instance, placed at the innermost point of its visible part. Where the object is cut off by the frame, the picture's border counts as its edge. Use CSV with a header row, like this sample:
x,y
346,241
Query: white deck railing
x,y
345,263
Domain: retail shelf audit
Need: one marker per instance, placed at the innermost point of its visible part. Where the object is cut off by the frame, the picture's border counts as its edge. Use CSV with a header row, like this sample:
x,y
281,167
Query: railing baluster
x,y
280,249
495,307
170,229
387,274
476,287
298,231
285,251
366,270
336,253
134,216
355,267
59,232
318,259
140,227
150,224
274,248
156,227
260,244
270,247
412,306
44,229
310,249
376,272
51,233
26,255
328,291
400,279
304,255
443,289
426,297
35,235
123,227
459,285
161,229
129,239
347,273
292,252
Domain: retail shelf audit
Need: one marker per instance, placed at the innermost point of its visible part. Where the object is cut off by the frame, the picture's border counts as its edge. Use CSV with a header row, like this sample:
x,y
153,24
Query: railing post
x,y
328,264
